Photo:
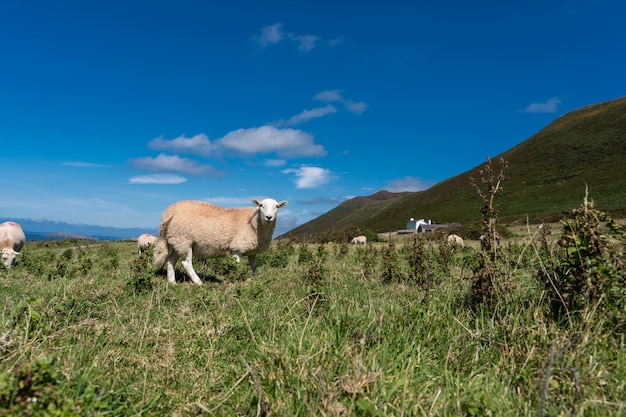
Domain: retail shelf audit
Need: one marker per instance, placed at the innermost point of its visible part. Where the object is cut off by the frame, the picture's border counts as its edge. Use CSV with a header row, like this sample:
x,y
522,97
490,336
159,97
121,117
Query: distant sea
x,y
51,230
34,236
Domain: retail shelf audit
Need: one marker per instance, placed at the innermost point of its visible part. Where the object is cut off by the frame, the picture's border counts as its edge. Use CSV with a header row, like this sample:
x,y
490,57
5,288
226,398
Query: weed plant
x,y
381,330
489,282
589,268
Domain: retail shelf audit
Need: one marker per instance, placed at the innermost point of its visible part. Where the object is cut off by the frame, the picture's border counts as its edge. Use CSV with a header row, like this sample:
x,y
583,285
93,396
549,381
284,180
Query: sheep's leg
x,y
252,261
189,268
171,263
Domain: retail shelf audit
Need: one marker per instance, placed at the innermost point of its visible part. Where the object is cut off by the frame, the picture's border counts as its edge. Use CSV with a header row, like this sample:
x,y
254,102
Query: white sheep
x,y
145,241
203,230
359,240
12,241
455,240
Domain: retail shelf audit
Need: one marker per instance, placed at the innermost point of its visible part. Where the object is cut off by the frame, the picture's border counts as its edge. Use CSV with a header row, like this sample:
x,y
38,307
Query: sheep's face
x,y
268,209
8,257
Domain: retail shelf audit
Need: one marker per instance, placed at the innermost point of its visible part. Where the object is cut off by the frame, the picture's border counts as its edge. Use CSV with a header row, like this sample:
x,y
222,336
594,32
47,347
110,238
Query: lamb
x,y
145,241
12,241
359,240
455,240
196,228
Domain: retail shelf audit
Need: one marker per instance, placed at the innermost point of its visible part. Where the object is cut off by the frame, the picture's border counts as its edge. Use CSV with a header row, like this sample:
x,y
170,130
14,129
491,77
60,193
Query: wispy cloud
x,y
198,145
157,179
310,176
329,96
323,200
275,163
407,184
173,163
270,35
307,115
550,106
85,165
305,43
275,34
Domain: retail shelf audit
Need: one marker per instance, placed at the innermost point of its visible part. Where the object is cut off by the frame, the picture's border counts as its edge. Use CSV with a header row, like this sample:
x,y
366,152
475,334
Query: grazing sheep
x,y
144,242
455,240
203,230
359,240
483,240
12,241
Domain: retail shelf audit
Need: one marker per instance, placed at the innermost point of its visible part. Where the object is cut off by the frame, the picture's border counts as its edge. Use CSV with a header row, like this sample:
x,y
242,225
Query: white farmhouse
x,y
416,225
423,226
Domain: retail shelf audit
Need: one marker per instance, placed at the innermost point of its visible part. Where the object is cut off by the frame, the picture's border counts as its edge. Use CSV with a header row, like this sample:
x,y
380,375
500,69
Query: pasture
x,y
390,329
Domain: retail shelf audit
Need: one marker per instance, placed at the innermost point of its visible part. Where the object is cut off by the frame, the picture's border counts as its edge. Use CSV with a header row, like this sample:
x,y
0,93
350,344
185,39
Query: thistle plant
x,y
485,271
590,269
489,212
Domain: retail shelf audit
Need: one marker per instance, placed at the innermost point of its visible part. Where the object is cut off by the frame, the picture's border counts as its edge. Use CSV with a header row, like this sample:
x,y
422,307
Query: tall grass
x,y
391,329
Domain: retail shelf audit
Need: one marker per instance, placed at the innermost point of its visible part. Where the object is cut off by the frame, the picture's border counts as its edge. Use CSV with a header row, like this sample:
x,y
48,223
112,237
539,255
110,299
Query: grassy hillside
x,y
390,329
545,178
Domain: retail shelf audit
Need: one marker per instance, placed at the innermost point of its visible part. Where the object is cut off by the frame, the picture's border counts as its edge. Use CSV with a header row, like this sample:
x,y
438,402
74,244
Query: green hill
x,y
545,179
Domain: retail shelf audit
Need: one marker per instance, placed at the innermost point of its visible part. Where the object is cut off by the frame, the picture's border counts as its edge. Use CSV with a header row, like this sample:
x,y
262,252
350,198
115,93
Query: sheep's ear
x,y
282,204
255,202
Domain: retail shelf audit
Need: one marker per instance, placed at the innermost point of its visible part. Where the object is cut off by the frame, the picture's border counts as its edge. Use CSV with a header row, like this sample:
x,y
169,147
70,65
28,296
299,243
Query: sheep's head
x,y
8,257
268,209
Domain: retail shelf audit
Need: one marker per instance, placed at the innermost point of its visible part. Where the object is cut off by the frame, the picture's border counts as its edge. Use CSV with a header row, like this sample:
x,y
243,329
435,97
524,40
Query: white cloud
x,y
407,184
307,115
356,107
328,96
172,163
274,34
550,106
157,179
310,176
85,165
305,43
265,139
270,35
336,41
198,144
275,163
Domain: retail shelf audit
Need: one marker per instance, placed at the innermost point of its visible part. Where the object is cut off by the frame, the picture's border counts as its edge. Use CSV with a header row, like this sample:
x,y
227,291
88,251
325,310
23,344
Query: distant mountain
x,y
47,229
545,179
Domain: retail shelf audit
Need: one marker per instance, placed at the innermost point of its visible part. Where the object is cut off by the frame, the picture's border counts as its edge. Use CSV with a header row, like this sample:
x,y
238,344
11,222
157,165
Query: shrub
x,y
590,267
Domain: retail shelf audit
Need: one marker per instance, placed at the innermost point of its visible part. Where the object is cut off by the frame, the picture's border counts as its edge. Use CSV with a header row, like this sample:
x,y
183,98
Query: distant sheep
x,y
483,240
145,241
203,230
12,241
359,240
455,240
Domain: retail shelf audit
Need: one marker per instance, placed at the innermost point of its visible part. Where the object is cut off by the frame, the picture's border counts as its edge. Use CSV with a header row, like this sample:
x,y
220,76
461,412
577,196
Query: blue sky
x,y
112,110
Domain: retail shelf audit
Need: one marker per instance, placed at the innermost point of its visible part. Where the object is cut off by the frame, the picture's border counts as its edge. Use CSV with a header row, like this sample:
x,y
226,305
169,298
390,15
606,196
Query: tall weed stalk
x,y
487,278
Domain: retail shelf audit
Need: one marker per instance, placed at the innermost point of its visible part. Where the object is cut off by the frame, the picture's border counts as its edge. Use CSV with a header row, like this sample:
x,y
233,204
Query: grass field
x,y
392,329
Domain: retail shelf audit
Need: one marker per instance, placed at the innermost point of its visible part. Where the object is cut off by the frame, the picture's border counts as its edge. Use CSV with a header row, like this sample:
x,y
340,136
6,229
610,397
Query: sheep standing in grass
x,y
144,242
359,240
203,230
455,240
12,241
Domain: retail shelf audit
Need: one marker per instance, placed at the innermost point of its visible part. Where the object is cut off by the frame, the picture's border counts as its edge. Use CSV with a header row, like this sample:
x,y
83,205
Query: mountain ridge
x,y
546,178
56,230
